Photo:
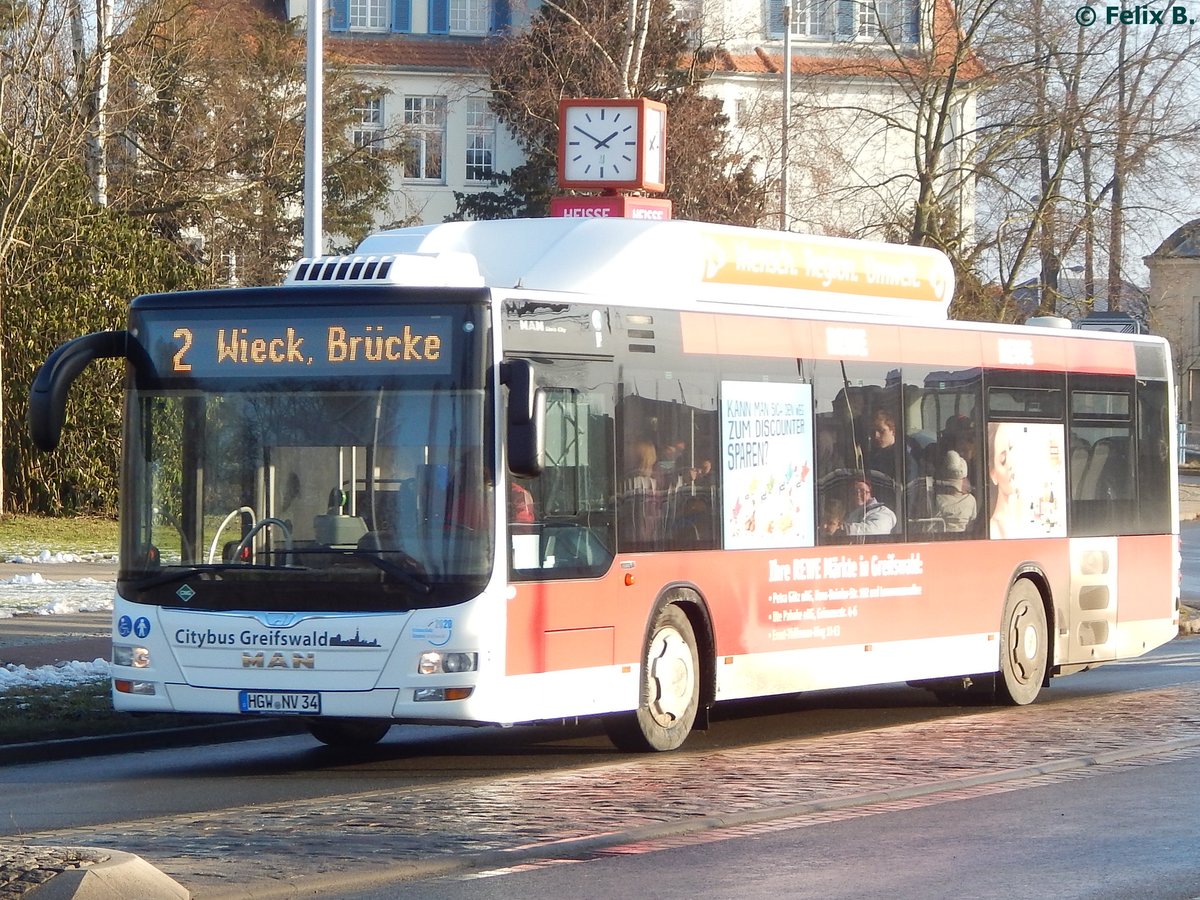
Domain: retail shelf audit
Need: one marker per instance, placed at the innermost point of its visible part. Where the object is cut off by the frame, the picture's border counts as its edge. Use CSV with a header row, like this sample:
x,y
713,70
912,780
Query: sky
x,y
40,593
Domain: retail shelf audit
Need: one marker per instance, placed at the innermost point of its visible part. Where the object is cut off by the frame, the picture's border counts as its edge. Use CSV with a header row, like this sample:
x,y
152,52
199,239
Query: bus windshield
x,y
377,498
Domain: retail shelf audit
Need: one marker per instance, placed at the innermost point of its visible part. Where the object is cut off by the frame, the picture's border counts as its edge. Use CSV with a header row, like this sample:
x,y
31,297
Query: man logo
x,y
279,661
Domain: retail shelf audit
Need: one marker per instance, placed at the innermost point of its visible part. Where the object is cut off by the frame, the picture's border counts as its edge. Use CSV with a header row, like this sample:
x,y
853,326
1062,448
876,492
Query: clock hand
x,y
590,137
604,143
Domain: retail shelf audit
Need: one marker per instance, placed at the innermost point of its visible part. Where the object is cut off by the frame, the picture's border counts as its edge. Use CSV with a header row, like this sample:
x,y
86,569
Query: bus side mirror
x,y
526,418
48,395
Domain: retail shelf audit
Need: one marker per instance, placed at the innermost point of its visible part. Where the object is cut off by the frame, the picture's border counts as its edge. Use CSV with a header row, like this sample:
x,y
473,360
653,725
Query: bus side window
x,y
560,523
942,426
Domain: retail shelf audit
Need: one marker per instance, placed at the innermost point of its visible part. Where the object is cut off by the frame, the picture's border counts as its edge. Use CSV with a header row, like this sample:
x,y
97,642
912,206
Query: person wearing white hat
x,y
954,504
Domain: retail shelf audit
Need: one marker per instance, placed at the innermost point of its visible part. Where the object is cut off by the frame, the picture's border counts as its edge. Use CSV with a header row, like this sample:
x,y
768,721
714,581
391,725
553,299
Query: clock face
x,y
601,144
655,156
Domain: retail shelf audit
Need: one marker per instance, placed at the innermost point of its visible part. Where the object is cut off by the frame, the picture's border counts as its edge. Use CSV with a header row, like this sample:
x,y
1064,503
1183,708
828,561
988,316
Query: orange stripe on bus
x,y
766,336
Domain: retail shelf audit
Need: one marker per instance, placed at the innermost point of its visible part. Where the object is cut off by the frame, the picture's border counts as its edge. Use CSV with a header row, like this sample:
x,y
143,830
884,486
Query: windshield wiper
x,y
181,573
413,579
396,570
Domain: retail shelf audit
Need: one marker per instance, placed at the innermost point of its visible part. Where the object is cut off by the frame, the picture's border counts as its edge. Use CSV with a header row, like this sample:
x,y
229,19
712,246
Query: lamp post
x,y
313,123
787,115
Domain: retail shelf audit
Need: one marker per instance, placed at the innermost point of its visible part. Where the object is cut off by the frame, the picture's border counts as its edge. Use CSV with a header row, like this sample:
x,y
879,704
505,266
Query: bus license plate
x,y
301,703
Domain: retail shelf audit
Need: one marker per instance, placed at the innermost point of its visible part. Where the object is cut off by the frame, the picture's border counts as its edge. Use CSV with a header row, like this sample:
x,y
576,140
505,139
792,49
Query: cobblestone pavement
x,y
23,868
258,850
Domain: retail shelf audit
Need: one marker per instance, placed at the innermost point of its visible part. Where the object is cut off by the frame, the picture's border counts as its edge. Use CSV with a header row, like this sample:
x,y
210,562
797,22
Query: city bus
x,y
544,470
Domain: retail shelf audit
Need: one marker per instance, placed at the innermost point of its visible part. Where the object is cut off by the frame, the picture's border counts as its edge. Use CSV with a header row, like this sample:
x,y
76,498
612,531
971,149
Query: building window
x,y
808,18
468,16
867,20
369,15
481,140
368,132
425,123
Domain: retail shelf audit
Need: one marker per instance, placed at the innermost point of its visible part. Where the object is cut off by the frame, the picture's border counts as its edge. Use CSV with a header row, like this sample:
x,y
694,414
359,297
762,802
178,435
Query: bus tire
x,y
670,690
348,734
1024,645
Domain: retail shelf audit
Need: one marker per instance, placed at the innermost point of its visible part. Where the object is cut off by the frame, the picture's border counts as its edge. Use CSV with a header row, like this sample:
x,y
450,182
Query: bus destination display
x,y
351,345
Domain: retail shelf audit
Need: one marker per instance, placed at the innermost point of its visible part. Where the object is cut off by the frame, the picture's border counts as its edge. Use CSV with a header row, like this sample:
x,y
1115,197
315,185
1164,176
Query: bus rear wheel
x,y
1024,647
347,734
670,691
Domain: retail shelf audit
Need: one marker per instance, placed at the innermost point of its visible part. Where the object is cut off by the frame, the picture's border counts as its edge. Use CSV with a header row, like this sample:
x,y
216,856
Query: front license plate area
x,y
280,703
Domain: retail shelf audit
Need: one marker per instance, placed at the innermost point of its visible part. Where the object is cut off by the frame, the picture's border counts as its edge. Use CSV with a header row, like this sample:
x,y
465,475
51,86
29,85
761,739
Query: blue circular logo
x,y
124,626
141,627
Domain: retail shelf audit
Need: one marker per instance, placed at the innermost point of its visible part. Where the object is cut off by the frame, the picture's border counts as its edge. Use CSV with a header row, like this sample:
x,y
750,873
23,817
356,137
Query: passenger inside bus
x,y
520,505
868,516
641,498
959,435
954,503
886,455
833,518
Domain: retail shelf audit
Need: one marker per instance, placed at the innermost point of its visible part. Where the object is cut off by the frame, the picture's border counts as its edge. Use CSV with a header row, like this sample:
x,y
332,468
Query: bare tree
x,y
209,140
42,120
42,124
883,140
1093,108
1044,121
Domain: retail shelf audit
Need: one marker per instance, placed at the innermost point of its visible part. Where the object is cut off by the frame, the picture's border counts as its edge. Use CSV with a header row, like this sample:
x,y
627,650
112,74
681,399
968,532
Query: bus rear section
x,y
1031,525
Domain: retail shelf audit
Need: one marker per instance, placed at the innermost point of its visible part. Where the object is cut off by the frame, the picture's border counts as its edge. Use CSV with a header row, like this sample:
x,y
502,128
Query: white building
x,y
851,165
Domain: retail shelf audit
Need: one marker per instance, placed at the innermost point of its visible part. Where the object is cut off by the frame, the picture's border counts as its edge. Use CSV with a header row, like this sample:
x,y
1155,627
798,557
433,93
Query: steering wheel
x,y
259,526
212,550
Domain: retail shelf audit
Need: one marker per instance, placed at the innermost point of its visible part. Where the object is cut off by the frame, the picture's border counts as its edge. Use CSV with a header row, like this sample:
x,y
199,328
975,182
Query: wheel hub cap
x,y
672,677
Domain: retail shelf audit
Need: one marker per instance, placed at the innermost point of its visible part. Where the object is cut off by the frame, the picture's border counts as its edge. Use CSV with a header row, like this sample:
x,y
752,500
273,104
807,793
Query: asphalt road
x,y
450,812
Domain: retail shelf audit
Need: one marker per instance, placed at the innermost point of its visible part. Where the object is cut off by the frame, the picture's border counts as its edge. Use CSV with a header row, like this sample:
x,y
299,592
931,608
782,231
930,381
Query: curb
x,y
157,739
115,876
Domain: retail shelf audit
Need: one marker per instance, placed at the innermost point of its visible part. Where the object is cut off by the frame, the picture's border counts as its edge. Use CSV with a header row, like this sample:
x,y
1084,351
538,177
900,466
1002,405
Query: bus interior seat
x,y
918,495
573,546
927,525
1108,474
1081,451
335,530
1114,481
1089,481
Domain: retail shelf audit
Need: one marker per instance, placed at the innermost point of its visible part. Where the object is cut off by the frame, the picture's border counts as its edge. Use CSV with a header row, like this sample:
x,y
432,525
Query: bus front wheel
x,y
1024,650
670,691
348,734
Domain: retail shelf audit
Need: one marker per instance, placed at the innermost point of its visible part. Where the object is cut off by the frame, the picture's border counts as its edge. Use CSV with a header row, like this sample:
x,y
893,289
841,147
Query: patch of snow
x,y
65,674
34,593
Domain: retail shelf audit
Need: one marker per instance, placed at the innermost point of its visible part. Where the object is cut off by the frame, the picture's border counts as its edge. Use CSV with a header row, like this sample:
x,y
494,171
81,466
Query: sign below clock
x,y
618,206
612,144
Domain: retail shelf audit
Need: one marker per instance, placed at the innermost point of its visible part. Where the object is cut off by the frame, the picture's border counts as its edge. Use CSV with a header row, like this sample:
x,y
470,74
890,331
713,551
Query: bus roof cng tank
x,y
628,258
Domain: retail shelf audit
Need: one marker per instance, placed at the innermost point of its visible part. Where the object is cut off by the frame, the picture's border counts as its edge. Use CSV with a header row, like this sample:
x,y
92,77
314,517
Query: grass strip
x,y
55,712
80,534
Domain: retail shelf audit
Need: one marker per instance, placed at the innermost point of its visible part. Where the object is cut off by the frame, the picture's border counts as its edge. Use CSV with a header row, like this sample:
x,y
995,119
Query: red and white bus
x,y
533,470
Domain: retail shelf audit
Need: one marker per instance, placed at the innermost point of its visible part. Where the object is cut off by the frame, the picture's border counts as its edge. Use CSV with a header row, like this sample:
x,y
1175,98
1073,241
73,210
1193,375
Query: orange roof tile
x,y
429,52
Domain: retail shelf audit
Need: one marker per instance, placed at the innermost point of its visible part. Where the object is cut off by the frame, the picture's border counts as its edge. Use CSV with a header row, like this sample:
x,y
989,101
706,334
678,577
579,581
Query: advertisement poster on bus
x,y
767,456
1026,465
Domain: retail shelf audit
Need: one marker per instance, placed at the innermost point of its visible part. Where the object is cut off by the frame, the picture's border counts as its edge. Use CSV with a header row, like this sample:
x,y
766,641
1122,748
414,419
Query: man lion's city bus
x,y
535,470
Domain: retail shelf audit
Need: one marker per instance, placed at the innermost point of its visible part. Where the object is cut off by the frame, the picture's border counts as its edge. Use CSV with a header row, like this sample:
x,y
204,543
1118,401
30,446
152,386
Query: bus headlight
x,y
433,662
136,657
